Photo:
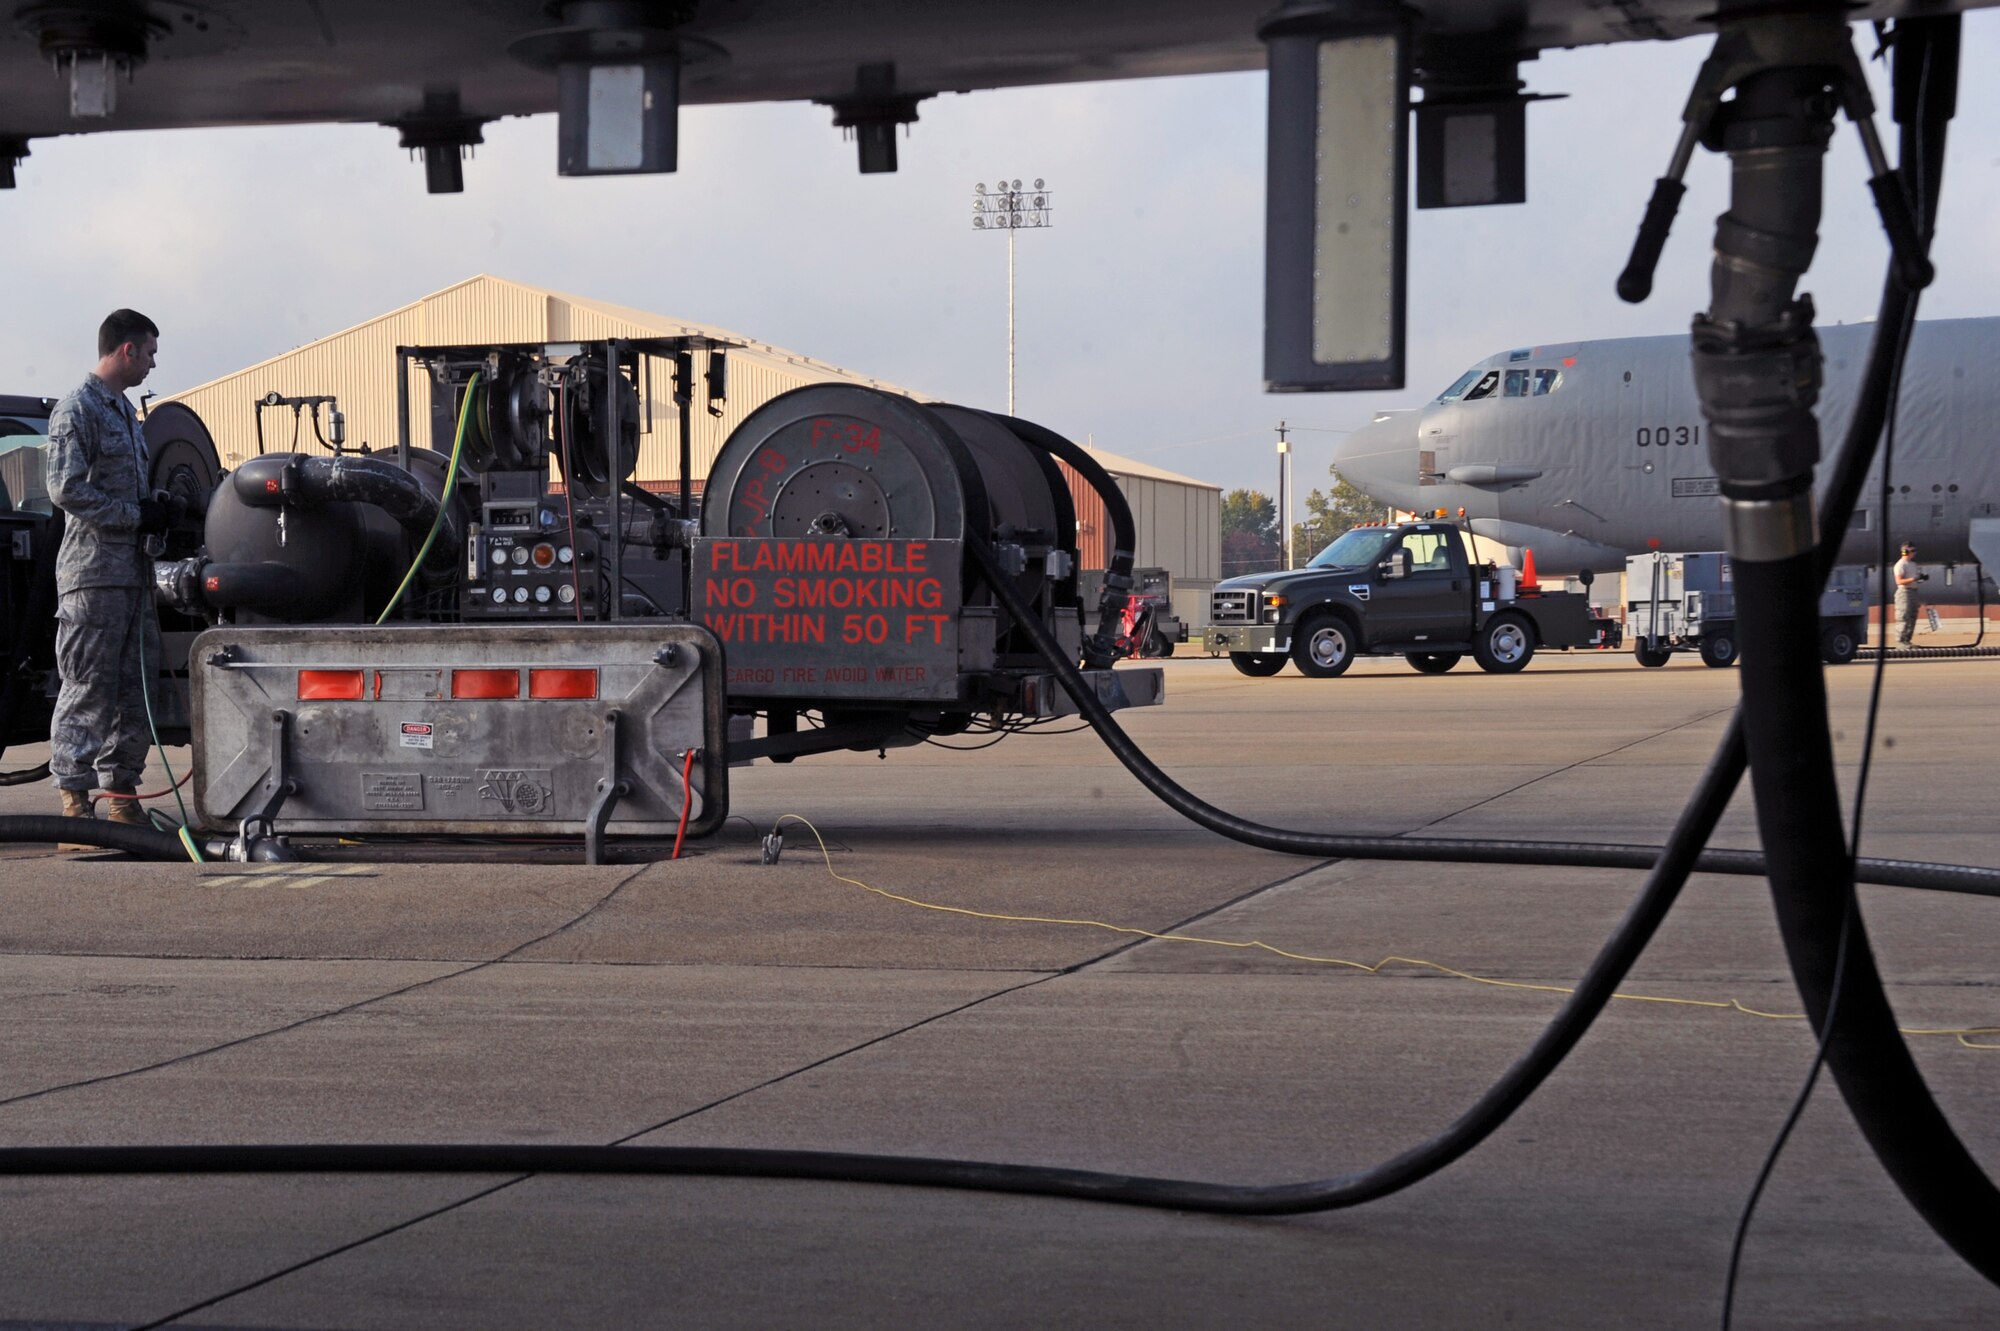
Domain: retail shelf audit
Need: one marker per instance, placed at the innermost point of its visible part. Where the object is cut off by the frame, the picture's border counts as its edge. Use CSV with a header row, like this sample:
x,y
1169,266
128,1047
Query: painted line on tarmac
x,y
293,877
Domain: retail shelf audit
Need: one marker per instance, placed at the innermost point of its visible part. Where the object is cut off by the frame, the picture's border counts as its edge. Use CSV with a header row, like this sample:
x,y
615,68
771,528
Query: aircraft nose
x,y
1380,458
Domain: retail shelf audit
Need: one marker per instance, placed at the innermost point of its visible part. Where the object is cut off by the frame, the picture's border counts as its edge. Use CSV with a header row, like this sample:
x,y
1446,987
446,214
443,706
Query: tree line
x,y
1250,531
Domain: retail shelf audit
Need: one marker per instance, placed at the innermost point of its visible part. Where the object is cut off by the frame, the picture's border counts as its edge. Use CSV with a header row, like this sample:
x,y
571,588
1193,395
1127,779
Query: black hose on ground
x,y
27,776
145,842
1593,991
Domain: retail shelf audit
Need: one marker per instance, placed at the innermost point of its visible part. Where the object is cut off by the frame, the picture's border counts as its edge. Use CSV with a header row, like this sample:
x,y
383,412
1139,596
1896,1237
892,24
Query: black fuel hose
x,y
1099,648
1726,769
1799,819
1798,815
145,842
1593,991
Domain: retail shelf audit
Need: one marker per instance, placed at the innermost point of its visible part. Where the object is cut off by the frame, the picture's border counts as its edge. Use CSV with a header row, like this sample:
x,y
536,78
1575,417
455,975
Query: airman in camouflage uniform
x,y
98,470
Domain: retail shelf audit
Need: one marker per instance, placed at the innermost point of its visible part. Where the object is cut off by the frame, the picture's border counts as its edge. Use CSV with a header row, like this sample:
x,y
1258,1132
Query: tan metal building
x,y
1179,519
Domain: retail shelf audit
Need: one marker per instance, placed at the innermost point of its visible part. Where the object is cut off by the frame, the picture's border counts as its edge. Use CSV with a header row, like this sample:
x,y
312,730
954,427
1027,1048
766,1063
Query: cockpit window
x,y
1474,385
1531,383
1484,388
1358,549
1458,386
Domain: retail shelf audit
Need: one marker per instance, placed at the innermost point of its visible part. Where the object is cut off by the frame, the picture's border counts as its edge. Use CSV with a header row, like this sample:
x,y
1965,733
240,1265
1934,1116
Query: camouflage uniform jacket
x,y
97,472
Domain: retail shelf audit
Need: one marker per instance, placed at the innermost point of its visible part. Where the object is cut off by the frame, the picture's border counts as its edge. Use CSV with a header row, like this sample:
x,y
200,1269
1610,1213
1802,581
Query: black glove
x,y
153,516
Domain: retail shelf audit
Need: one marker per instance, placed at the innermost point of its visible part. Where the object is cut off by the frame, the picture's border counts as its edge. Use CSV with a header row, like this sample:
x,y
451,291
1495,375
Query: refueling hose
x,y
1799,819
144,842
1099,648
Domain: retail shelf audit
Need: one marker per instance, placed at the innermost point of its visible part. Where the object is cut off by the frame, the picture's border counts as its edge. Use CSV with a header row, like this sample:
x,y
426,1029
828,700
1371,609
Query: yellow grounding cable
x,y
1961,1034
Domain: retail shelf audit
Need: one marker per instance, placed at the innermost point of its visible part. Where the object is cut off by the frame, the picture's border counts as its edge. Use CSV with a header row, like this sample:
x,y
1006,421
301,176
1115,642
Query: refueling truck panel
x,y
1407,590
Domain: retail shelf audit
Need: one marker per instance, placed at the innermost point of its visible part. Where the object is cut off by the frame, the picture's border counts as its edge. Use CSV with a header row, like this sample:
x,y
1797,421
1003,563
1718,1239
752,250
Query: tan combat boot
x,y
76,804
121,806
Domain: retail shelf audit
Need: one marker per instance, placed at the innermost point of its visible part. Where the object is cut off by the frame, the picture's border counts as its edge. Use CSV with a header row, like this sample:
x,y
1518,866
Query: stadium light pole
x,y
1010,208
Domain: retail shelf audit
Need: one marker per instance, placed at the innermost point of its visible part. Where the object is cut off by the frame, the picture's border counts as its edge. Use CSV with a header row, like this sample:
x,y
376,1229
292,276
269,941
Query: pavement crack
x,y
317,1258
328,1015
1570,767
634,1135
1202,914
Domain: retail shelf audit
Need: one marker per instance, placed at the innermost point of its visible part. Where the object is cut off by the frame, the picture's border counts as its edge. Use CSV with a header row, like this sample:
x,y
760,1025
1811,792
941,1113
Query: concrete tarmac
x,y
513,995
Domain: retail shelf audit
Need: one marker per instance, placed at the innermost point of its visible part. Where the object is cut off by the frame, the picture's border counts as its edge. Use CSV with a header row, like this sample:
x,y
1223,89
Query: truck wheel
x,y
1432,663
1649,656
1258,665
1157,645
1838,644
1505,645
1323,647
1718,649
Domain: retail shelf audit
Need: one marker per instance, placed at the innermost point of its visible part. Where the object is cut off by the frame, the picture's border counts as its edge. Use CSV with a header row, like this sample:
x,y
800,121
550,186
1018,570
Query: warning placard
x,y
831,617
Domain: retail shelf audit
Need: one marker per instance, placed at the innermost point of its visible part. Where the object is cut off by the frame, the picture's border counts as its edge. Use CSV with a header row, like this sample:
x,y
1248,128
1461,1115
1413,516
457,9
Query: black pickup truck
x,y
1407,590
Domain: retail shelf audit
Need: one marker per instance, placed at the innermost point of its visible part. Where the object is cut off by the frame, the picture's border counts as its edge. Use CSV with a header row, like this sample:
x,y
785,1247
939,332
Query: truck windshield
x,y
1358,548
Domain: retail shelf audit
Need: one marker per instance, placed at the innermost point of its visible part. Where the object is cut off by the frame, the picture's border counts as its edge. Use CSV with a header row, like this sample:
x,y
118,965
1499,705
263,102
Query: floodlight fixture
x,y
1009,208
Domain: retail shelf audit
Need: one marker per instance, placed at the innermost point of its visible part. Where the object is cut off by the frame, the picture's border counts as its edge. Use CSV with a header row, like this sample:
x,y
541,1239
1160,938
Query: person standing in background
x,y
1907,578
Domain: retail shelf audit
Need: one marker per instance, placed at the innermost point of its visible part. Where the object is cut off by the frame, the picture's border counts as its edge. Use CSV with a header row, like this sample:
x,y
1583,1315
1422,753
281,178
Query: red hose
x,y
687,802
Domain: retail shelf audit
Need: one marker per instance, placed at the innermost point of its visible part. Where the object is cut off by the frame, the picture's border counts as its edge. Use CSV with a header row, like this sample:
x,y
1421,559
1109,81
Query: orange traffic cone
x,y
1529,583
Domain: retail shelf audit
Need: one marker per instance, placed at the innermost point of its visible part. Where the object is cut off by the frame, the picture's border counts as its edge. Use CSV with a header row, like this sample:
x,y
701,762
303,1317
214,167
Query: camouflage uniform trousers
x,y
1906,615
99,735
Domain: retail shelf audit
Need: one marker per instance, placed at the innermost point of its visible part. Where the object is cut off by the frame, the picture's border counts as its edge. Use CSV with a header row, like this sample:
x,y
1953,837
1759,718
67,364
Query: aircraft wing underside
x,y
227,62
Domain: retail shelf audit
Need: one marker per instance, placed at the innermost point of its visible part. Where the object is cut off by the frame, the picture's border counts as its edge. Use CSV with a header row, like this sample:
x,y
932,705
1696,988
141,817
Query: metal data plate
x,y
380,731
833,617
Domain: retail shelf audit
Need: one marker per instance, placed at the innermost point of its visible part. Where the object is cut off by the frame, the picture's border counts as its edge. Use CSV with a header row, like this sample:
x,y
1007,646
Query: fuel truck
x,y
496,631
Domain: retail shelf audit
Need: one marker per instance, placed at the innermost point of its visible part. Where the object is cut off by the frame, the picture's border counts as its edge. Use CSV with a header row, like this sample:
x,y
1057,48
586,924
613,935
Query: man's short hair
x,y
1909,549
122,326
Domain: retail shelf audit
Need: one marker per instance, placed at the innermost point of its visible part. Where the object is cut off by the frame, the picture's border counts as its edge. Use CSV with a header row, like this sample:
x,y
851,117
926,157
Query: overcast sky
x,y
1140,311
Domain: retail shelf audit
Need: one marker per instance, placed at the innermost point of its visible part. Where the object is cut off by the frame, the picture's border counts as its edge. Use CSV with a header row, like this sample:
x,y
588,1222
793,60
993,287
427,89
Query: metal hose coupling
x,y
1758,387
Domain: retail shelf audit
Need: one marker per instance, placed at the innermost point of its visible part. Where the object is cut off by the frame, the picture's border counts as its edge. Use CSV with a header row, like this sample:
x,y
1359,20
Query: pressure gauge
x,y
542,595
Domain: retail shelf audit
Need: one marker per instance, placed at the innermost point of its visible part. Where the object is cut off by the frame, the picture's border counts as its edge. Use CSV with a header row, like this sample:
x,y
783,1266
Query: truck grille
x,y
1233,607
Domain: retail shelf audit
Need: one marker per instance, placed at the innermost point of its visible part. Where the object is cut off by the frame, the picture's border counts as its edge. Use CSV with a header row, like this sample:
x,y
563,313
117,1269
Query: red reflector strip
x,y
562,683
485,683
323,684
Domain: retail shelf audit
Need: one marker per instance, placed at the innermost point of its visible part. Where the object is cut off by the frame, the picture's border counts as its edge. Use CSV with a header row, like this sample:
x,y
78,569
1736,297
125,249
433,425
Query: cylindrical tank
x,y
308,560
